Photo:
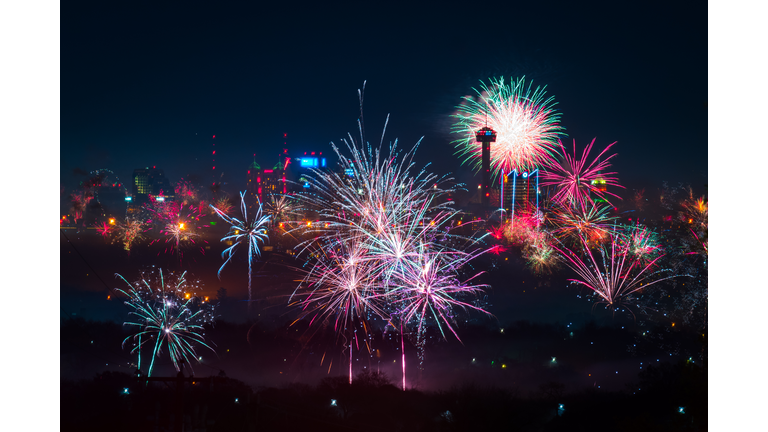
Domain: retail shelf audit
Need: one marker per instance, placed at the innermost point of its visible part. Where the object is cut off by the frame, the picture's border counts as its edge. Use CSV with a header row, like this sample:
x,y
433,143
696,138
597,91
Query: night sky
x,y
150,86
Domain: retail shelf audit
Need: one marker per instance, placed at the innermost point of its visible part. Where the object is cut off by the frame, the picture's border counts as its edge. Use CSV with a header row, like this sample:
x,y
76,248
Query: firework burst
x,y
617,275
576,181
186,193
428,288
525,227
379,205
642,242
179,225
249,232
179,235
386,232
540,256
526,124
591,222
281,207
104,229
339,286
130,231
696,212
223,204
168,315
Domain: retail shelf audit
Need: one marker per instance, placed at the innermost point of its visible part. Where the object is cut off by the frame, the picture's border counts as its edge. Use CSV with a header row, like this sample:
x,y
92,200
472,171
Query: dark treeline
x,y
674,398
278,378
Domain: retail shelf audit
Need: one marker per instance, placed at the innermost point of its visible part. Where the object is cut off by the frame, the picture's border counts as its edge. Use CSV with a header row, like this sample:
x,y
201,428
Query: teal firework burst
x,y
167,316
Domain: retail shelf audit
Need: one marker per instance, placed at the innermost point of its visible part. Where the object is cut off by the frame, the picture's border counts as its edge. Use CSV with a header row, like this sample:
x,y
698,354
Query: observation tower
x,y
486,136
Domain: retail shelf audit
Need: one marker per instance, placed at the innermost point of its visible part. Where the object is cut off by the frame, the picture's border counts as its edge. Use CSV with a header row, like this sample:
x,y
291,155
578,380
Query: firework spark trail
x,y
704,244
617,275
164,315
526,124
246,231
576,180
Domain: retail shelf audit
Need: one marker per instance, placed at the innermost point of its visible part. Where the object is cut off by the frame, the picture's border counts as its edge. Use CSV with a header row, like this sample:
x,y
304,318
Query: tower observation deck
x,y
486,136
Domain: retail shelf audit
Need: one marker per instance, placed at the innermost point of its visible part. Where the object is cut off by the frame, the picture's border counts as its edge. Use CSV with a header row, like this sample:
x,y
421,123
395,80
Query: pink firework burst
x,y
576,180
180,224
428,288
104,229
617,274
339,287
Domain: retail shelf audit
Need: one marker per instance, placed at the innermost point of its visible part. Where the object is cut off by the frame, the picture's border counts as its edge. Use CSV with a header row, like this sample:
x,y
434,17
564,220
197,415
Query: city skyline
x,y
141,103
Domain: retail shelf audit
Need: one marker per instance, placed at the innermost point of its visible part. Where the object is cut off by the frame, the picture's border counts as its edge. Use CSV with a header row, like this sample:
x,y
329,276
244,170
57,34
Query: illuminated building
x,y
600,184
264,182
149,182
519,191
303,166
312,160
254,179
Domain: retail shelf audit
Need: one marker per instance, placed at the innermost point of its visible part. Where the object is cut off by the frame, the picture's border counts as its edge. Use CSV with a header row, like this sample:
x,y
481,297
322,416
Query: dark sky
x,y
145,85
